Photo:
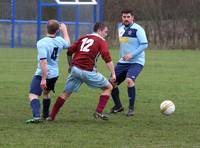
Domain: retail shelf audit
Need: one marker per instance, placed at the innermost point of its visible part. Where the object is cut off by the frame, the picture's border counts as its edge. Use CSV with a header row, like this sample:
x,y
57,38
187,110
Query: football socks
x,y
115,97
46,105
131,95
103,99
35,105
56,107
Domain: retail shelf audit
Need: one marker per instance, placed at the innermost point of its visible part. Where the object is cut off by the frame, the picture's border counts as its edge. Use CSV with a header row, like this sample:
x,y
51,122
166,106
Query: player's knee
x,y
107,90
65,95
114,85
45,94
33,96
130,82
109,87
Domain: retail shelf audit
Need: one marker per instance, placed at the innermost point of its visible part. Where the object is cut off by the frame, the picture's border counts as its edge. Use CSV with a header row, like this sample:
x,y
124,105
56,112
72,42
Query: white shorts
x,y
79,76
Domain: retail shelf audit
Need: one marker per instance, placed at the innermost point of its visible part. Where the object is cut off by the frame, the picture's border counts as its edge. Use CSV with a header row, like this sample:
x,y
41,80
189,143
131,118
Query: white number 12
x,y
86,43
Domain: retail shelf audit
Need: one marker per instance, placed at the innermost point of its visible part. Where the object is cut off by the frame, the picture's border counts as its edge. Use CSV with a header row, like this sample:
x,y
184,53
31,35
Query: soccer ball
x,y
167,107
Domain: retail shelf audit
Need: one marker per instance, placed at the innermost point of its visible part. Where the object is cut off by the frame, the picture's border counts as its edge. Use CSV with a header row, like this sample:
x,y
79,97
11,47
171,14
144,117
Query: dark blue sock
x,y
35,105
46,105
131,95
115,97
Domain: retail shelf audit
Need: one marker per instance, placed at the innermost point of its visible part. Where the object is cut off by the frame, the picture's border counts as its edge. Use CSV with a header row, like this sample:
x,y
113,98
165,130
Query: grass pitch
x,y
168,74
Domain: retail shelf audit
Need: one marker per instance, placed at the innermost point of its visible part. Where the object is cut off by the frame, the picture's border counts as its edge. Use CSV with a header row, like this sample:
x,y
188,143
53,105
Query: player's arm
x,y
143,44
136,52
141,36
42,54
65,33
71,50
110,66
107,58
69,60
43,65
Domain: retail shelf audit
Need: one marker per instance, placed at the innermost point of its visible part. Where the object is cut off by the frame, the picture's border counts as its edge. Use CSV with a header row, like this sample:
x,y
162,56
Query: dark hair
x,y
98,26
52,26
127,11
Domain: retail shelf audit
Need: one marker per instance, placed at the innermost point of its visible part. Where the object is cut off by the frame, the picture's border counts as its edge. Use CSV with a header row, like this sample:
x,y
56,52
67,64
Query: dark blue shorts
x,y
127,70
35,85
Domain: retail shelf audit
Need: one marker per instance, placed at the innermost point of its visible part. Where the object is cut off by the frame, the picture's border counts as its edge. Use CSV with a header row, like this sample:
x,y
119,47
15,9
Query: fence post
x,y
39,19
94,14
77,16
58,13
19,34
101,10
12,44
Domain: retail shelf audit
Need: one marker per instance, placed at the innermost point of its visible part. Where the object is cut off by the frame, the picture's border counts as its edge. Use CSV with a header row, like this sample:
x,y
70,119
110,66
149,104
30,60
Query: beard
x,y
126,23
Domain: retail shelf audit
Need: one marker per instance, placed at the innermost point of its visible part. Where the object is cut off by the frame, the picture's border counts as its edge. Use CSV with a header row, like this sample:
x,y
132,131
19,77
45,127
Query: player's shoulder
x,y
42,41
59,38
137,26
96,36
83,36
120,25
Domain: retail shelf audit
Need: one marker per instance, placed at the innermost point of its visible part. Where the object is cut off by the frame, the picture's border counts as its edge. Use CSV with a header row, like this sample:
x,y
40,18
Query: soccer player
x,y
49,49
83,69
133,42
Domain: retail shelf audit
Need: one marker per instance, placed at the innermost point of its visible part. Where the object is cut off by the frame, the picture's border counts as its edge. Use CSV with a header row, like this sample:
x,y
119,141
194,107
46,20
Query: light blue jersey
x,y
132,40
50,48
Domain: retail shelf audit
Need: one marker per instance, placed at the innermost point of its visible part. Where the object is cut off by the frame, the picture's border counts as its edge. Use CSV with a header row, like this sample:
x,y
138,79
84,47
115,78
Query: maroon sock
x,y
103,99
56,107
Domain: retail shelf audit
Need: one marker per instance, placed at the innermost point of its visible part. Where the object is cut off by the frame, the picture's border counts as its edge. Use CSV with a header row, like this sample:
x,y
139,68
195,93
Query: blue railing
x,y
39,20
20,23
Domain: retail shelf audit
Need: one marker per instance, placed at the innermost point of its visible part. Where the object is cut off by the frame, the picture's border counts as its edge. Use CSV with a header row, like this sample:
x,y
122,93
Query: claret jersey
x,y
87,49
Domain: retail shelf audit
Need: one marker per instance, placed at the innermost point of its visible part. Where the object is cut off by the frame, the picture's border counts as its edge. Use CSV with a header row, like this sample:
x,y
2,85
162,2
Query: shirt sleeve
x,y
65,43
143,43
105,54
141,36
72,48
42,52
140,49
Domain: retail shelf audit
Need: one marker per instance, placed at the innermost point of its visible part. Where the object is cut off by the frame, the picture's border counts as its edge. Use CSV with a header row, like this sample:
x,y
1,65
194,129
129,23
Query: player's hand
x,y
127,57
43,84
113,78
63,27
69,69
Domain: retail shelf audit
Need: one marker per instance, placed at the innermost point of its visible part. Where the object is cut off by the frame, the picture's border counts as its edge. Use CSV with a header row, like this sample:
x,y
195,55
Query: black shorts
x,y
35,85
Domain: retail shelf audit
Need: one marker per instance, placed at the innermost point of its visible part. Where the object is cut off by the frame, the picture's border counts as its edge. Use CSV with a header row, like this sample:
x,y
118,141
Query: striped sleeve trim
x,y
43,58
143,43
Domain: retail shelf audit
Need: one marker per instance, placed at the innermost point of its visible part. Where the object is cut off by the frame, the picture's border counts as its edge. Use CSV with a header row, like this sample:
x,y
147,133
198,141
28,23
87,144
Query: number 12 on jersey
x,y
86,43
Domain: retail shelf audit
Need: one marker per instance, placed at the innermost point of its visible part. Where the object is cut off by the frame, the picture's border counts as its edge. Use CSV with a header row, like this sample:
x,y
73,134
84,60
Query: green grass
x,y
171,74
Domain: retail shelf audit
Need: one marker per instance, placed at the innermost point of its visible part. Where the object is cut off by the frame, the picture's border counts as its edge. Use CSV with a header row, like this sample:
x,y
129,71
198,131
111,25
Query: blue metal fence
x,y
16,25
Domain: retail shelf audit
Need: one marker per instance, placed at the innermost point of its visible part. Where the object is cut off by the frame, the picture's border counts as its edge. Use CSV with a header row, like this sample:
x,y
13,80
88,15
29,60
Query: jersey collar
x,y
128,26
96,34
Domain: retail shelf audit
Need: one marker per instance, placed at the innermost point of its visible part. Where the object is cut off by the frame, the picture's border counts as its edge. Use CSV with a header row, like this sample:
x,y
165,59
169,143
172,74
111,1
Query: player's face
x,y
127,18
104,32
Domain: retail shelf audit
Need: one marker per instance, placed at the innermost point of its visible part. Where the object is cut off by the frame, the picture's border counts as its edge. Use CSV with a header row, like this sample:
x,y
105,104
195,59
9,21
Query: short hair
x,y
99,26
52,26
127,11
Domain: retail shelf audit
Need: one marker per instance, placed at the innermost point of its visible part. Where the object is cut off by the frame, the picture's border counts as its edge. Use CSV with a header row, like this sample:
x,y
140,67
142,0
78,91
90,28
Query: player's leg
x,y
103,100
72,85
97,80
120,71
34,93
46,104
131,94
133,72
46,98
58,104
